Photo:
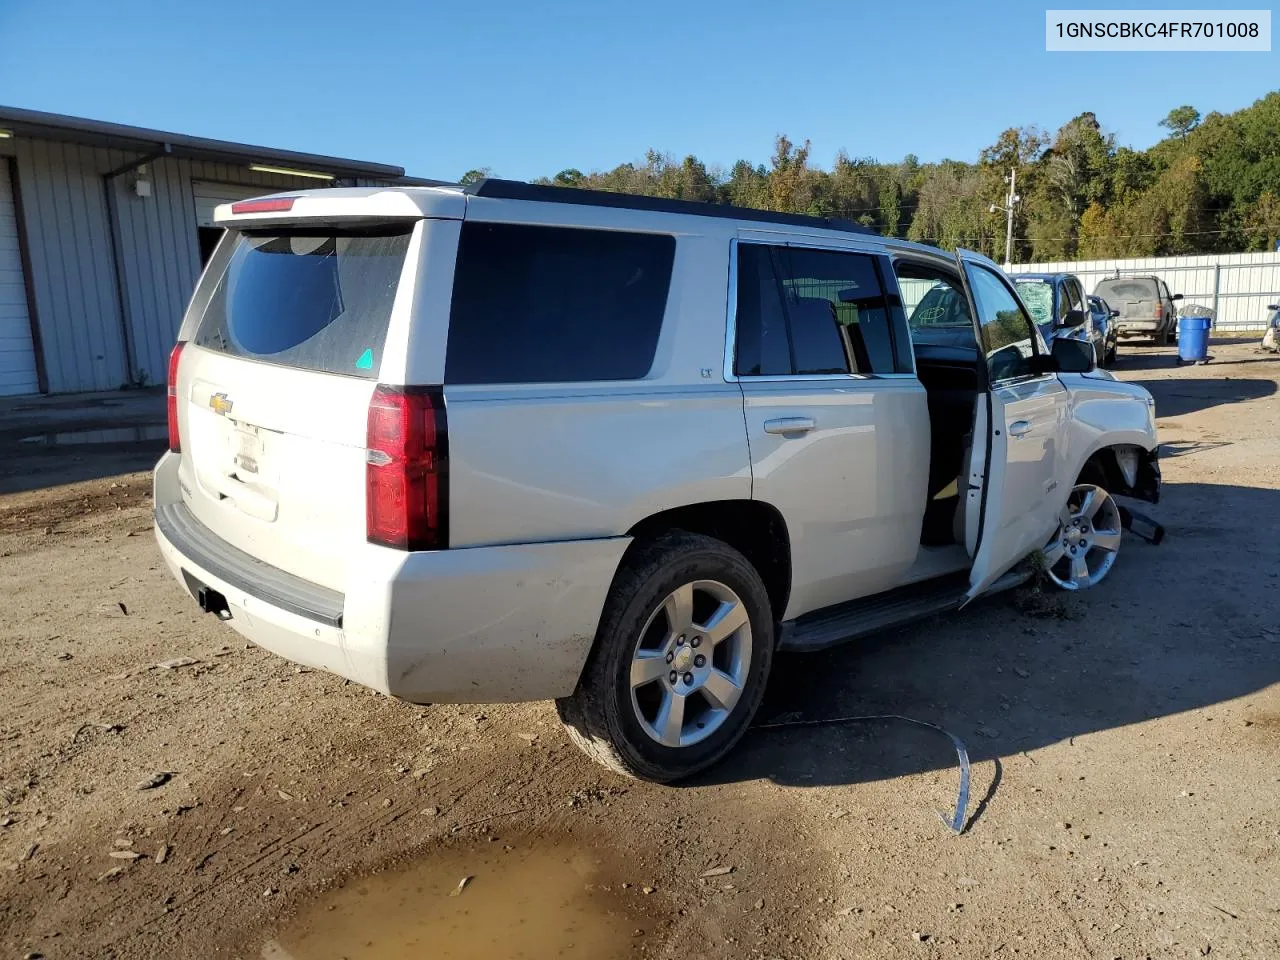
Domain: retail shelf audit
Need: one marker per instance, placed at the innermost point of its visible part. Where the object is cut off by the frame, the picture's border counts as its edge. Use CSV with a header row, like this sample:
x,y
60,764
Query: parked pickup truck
x,y
510,442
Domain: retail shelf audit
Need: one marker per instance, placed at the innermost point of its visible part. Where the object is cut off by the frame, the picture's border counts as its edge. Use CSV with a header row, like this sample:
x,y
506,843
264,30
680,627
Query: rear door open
x,y
288,332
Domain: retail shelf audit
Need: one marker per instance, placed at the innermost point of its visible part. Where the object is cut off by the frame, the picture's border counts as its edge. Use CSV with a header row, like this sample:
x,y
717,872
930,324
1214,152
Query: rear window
x,y
536,304
1126,289
319,300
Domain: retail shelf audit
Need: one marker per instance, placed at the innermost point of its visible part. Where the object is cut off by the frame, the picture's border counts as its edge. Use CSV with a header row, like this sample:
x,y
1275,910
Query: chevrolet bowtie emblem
x,y
220,405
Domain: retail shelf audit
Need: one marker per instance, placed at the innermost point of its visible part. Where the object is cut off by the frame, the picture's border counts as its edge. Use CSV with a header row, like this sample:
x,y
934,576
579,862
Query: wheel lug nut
x,y
670,657
699,661
680,640
696,641
674,676
688,678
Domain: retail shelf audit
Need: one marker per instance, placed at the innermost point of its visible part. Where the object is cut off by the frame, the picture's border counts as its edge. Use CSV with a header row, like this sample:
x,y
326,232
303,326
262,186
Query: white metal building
x,y
103,231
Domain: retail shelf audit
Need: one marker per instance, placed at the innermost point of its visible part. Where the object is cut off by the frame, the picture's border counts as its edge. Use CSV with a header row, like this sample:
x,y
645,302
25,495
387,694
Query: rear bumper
x,y
478,625
1140,328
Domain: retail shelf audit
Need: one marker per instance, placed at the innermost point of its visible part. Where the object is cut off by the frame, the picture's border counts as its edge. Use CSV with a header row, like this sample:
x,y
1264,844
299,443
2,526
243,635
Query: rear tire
x,y
1162,338
686,588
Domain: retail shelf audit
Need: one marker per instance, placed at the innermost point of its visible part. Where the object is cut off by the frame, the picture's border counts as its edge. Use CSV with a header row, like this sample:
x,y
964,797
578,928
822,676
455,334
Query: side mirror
x,y
1177,296
1074,318
1113,314
1273,306
1073,356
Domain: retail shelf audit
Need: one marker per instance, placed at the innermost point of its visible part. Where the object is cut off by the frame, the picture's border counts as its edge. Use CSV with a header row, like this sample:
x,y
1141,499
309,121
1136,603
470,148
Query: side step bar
x,y
893,608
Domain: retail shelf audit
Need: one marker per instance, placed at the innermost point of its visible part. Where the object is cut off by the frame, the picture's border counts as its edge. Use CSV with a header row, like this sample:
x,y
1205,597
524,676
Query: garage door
x,y
17,358
209,196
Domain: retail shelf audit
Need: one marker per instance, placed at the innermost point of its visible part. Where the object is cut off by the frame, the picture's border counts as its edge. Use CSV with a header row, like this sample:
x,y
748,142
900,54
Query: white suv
x,y
513,442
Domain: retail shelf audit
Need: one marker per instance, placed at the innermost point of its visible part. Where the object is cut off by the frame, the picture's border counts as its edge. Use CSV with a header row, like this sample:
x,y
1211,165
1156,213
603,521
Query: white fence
x,y
1238,286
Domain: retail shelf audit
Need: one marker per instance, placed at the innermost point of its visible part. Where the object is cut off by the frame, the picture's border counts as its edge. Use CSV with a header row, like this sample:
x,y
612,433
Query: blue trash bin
x,y
1193,339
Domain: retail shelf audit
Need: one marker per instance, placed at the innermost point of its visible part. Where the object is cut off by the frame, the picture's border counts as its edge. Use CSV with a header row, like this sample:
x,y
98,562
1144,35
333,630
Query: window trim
x,y
731,319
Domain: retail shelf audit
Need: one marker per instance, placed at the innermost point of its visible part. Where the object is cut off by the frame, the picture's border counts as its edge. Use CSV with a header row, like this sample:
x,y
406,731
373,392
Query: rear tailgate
x,y
1136,300
274,388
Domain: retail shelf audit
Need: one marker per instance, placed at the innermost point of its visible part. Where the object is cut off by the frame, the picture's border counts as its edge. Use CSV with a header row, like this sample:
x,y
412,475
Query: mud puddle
x,y
532,901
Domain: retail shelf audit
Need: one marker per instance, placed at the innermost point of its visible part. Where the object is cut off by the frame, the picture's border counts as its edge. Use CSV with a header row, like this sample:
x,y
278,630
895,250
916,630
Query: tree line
x,y
1211,185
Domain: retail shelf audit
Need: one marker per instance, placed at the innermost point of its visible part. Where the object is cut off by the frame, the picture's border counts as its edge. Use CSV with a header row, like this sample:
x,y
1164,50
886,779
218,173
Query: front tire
x,y
1083,550
680,661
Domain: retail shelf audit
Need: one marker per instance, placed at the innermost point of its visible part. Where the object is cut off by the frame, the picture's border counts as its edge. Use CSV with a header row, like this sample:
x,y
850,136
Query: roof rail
x,y
520,190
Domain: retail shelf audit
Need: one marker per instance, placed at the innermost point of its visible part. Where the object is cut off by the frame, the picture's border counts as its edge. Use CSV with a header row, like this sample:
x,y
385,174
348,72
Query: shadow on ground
x,y
50,441
1167,358
1005,681
1178,396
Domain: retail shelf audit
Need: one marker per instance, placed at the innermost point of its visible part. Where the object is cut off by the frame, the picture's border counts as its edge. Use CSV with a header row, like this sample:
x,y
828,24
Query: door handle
x,y
1019,428
785,425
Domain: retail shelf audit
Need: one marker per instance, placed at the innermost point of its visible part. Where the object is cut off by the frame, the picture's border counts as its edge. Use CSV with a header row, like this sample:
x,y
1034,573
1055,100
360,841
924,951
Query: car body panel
x,y
539,465
489,624
852,489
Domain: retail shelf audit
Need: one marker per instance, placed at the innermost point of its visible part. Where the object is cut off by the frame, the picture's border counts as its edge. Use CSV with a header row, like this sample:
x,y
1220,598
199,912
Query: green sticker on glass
x,y
366,360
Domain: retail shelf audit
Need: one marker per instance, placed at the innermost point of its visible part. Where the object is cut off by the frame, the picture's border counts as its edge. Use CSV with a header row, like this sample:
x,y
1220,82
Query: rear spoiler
x,y
341,203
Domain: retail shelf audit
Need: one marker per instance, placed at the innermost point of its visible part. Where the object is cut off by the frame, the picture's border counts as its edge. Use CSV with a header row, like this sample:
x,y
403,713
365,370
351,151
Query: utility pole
x,y
1011,201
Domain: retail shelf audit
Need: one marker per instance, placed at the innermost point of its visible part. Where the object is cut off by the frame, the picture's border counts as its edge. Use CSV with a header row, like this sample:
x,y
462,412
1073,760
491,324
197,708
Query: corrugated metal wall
x,y
17,357
1239,286
73,260
71,274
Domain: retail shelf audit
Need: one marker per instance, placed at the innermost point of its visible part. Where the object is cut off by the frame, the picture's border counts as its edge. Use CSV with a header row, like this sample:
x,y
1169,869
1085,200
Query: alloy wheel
x,y
1083,549
690,663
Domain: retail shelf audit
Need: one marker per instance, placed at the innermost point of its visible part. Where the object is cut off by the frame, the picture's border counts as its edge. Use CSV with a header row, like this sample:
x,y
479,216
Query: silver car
x,y
508,442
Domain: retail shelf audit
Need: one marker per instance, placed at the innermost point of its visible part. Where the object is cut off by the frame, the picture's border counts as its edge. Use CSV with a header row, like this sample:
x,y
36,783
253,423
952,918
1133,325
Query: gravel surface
x,y
168,791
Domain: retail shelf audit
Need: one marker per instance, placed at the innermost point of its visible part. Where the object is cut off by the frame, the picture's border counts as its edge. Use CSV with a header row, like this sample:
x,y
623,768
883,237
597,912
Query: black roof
x,y
519,190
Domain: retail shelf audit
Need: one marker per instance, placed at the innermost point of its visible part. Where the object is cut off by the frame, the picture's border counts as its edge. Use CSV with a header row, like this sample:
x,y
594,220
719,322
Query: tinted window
x,y
1008,339
1126,289
316,300
837,316
552,304
763,347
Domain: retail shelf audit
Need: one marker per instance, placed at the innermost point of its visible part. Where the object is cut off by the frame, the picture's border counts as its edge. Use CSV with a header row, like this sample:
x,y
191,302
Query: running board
x,y
893,608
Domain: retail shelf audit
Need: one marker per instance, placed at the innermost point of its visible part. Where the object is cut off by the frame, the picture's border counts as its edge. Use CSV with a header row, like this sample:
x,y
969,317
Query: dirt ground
x,y
1125,747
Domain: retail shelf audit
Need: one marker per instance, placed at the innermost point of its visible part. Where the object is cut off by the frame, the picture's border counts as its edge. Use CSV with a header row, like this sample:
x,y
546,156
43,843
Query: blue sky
x,y
530,88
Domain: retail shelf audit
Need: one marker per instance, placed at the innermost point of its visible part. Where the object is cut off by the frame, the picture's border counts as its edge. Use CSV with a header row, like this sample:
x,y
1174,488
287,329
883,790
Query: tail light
x,y
175,441
406,472
1159,311
269,205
